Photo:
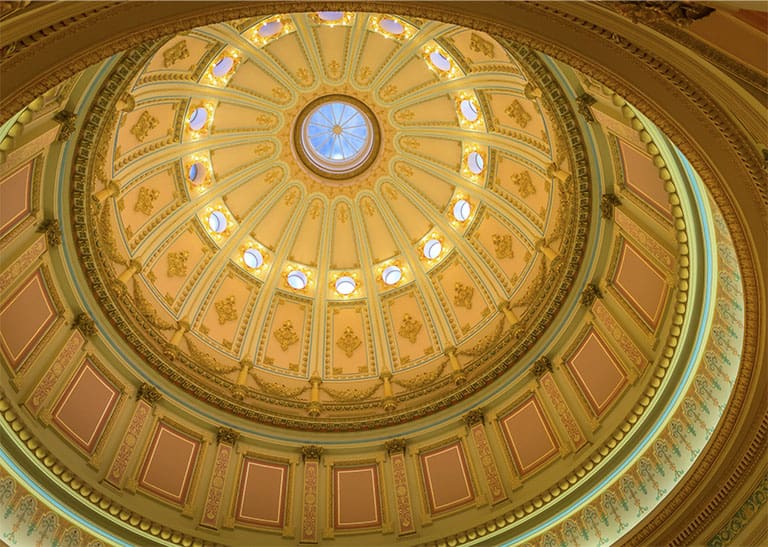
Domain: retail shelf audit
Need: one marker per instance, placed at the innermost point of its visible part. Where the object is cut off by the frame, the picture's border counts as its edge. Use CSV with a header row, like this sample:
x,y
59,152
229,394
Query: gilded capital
x,y
227,436
311,452
542,366
394,446
474,416
148,393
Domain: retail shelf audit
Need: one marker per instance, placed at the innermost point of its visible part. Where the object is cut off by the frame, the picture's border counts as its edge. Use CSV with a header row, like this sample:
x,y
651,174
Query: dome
x,y
367,277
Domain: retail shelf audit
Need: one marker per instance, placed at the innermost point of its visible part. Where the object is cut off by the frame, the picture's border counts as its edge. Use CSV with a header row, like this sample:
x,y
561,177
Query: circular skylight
x,y
475,162
391,26
217,222
253,258
468,110
345,285
432,249
270,29
337,136
440,61
297,279
330,16
198,118
461,210
391,275
196,173
223,67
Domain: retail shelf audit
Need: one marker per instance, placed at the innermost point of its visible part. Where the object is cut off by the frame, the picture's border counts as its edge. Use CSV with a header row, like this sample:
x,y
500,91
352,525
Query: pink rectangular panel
x,y
446,477
529,436
641,284
597,372
15,191
25,318
169,463
356,500
261,497
85,406
642,178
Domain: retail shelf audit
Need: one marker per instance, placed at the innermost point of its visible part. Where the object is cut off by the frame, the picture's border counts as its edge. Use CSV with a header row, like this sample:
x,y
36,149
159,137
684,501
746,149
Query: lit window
x,y
337,136
440,61
461,210
345,285
198,118
217,222
432,249
270,29
391,275
223,67
196,173
469,110
297,279
253,258
330,16
391,26
475,162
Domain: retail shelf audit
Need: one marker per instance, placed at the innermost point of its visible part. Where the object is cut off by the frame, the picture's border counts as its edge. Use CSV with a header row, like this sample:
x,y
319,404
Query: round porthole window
x,y
345,285
475,162
469,110
391,26
198,118
391,275
223,67
440,61
297,280
432,249
253,258
330,16
196,173
461,210
217,222
270,29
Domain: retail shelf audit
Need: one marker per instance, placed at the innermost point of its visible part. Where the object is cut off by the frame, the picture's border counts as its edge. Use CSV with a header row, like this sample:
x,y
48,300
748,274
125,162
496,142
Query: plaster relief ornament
x,y
502,245
524,184
409,328
286,335
479,44
349,342
177,264
145,202
144,125
225,309
517,112
175,54
462,295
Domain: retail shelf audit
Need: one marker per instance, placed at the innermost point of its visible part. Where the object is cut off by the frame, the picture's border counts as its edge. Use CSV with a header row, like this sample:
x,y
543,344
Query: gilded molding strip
x,y
555,396
309,506
488,463
119,466
216,489
63,360
405,524
23,262
603,315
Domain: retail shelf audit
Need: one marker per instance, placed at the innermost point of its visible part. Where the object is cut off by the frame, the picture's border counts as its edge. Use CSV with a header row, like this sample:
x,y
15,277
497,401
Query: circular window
x,y
217,222
270,29
391,26
196,173
297,279
475,162
223,67
336,137
440,61
468,110
391,275
461,210
345,285
253,258
432,249
198,118
330,16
